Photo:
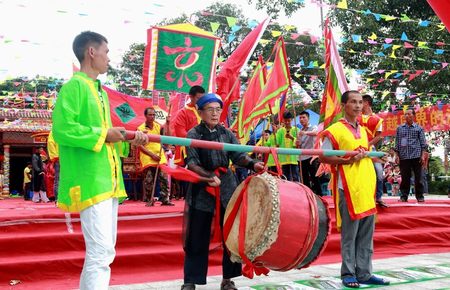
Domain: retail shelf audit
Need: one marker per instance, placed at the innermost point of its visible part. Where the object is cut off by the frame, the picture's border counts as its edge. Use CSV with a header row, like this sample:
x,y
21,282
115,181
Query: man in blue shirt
x,y
411,147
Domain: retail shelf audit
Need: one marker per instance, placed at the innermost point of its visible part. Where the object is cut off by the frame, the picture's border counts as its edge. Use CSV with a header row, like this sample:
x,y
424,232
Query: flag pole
x,y
300,170
151,202
129,135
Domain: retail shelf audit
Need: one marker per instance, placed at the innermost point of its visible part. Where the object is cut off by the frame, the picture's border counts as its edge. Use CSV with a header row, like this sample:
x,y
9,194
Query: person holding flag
x,y
150,156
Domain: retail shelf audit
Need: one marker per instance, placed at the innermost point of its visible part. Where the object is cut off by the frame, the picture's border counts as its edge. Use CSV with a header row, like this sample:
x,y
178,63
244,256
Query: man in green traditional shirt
x,y
91,179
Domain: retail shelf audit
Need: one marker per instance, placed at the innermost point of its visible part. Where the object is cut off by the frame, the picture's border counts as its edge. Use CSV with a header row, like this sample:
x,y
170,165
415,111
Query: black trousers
x,y
310,179
197,249
406,166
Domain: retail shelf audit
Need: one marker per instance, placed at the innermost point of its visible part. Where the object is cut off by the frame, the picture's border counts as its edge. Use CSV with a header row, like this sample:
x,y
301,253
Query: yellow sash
x,y
359,178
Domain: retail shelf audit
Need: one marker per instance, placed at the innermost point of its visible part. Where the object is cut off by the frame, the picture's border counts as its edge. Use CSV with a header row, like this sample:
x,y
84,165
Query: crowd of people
x,y
39,178
88,143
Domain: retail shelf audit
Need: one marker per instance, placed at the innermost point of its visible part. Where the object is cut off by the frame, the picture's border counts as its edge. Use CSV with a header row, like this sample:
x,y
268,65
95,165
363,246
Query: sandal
x,y
350,282
227,284
374,280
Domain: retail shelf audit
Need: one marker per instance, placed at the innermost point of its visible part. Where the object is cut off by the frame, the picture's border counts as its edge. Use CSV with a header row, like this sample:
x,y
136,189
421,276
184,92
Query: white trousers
x,y
99,226
40,196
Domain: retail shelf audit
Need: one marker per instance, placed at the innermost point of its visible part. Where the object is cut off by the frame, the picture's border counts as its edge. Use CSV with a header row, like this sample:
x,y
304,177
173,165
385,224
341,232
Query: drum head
x,y
262,216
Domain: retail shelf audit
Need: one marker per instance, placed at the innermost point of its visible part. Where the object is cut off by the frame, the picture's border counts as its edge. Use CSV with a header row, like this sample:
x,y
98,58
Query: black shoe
x,y
382,203
403,199
421,199
227,284
167,203
188,286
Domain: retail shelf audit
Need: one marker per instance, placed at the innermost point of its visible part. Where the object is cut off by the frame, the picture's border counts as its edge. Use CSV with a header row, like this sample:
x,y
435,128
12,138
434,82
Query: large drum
x,y
287,225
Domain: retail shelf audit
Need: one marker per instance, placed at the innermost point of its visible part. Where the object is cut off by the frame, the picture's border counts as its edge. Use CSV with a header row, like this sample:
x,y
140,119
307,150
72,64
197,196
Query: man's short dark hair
x,y
148,109
304,113
287,115
344,97
412,110
196,90
83,40
368,99
268,131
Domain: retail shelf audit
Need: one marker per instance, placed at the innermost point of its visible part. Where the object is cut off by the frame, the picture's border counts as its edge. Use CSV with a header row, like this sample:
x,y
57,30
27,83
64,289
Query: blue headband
x,y
209,98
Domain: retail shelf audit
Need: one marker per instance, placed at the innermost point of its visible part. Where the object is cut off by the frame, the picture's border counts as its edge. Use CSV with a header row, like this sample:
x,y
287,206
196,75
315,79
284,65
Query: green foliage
x,y
357,23
435,166
128,77
273,8
441,187
219,11
39,84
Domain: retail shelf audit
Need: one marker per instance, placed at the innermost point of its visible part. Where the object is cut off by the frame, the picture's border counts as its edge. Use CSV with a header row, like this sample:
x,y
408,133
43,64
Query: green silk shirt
x,y
90,168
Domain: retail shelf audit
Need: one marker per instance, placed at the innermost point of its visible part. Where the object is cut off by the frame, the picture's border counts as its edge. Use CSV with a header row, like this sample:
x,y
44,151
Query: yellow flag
x,y
276,33
389,17
342,4
387,74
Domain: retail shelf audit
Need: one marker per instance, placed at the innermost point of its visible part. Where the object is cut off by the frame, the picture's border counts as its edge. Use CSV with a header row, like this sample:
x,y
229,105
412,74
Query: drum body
x,y
287,224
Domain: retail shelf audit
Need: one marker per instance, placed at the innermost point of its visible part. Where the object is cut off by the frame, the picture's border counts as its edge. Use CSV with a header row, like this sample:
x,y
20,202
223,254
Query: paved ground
x,y
427,271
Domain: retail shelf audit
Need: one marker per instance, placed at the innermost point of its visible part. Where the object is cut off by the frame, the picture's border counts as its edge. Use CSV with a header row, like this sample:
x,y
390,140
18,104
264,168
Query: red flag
x,y
250,98
442,10
180,173
282,107
177,102
155,98
278,82
228,84
335,82
128,111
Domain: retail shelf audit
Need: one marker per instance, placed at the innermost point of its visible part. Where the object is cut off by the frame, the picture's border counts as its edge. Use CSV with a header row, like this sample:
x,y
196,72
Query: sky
x,y
36,35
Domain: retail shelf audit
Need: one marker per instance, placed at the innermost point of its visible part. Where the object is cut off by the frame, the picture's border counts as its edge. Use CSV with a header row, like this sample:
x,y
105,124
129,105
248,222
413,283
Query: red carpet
x,y
37,248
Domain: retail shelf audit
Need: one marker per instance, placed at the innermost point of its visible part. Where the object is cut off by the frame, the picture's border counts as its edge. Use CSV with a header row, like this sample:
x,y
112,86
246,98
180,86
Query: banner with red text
x,y
433,118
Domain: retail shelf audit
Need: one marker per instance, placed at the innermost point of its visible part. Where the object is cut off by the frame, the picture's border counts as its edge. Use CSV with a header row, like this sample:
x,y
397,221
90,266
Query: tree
x,y
37,84
128,77
273,8
361,21
435,166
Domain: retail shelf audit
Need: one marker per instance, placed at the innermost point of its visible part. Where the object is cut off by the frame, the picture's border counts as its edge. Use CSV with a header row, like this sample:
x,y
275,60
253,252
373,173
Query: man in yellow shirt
x,y
27,181
353,184
150,156
53,154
